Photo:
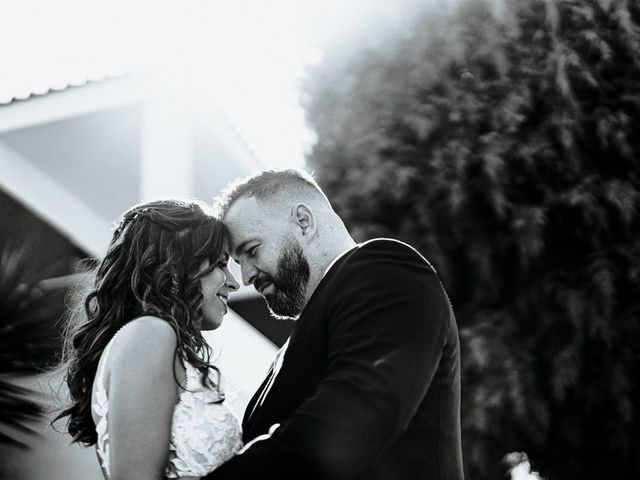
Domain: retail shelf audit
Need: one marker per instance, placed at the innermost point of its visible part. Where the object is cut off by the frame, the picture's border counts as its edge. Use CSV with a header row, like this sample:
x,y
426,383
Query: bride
x,y
137,366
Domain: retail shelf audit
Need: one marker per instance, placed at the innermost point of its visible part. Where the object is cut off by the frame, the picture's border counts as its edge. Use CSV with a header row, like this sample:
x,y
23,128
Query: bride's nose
x,y
231,282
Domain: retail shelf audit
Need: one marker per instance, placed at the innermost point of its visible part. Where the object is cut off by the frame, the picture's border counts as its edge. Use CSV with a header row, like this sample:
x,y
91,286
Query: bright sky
x,y
245,56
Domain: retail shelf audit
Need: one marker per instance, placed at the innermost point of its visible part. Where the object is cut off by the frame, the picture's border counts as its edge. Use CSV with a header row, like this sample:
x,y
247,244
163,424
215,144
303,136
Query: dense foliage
x,y
503,141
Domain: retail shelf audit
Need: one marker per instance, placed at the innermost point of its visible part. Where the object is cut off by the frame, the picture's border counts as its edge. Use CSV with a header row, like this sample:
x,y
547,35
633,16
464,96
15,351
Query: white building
x,y
77,158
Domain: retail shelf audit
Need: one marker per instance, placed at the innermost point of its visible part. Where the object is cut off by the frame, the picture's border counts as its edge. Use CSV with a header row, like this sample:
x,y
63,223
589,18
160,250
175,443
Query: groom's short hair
x,y
267,184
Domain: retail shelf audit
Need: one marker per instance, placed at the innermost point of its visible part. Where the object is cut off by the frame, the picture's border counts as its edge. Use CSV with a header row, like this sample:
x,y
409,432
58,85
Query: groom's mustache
x,y
263,280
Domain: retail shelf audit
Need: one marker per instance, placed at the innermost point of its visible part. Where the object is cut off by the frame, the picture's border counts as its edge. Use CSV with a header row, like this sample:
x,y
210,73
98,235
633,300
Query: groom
x,y
368,384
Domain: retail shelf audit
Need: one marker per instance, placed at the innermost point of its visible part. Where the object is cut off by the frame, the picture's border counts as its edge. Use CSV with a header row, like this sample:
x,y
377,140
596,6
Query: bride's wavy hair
x,y
151,268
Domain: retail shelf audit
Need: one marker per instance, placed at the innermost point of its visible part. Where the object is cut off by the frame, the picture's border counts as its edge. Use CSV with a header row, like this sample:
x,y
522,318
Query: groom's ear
x,y
305,220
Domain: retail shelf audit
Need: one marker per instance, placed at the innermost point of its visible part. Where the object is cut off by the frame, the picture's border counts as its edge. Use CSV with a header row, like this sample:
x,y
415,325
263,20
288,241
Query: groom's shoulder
x,y
390,244
380,257
390,248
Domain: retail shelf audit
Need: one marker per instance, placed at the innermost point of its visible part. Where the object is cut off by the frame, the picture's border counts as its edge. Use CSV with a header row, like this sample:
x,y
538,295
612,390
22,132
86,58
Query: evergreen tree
x,y
504,143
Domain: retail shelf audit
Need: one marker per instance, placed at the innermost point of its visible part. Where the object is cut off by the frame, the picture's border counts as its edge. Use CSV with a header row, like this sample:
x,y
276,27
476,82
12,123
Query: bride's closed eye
x,y
206,270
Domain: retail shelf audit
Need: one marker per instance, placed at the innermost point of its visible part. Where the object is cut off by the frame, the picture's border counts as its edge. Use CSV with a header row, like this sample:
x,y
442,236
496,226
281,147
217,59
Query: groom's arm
x,y
389,321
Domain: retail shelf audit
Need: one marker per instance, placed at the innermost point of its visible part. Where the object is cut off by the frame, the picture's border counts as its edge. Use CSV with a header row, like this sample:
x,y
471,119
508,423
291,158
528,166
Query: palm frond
x,y
17,411
28,340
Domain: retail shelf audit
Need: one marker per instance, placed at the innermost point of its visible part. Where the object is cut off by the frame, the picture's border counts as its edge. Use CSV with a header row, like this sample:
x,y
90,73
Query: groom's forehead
x,y
242,210
247,211
247,217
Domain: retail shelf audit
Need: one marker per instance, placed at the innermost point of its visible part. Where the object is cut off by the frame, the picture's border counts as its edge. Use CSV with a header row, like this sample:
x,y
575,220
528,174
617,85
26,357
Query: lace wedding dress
x,y
204,434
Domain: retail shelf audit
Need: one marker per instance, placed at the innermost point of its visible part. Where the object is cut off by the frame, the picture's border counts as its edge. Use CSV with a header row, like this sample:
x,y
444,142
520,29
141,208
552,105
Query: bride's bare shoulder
x,y
145,340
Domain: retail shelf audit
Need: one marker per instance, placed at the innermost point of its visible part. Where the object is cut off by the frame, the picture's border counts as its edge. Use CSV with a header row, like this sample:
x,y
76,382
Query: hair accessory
x,y
130,217
139,213
119,229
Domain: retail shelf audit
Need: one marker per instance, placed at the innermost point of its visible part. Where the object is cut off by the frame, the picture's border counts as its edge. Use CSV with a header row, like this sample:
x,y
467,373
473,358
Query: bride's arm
x,y
260,438
142,394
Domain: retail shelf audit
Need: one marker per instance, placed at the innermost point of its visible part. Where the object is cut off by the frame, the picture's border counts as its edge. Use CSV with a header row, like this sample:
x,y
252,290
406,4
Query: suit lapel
x,y
271,377
254,403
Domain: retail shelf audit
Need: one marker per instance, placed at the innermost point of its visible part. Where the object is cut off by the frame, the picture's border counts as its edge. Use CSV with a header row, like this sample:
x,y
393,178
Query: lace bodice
x,y
203,434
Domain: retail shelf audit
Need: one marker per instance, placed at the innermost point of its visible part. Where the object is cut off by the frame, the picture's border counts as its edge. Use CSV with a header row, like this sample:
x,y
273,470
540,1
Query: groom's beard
x,y
290,283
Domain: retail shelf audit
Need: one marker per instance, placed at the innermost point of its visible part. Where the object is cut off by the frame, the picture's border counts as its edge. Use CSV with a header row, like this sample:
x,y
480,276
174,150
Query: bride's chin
x,y
211,324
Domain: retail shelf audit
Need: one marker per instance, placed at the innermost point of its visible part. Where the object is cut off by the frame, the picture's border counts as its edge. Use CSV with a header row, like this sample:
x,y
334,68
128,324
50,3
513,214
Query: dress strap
x,y
191,374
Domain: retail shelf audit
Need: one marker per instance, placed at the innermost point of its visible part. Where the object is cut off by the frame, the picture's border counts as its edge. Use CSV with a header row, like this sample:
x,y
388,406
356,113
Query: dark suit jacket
x,y
370,383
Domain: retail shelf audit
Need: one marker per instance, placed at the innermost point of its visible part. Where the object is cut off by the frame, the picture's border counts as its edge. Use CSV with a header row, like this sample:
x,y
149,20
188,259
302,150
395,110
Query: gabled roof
x,y
21,93
74,100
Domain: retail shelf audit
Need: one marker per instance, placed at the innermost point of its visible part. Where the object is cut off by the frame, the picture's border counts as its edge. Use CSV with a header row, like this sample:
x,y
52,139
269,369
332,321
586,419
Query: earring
x,y
174,285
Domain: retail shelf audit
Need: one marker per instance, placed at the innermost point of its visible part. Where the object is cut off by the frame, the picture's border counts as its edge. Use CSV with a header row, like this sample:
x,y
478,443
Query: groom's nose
x,y
249,273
